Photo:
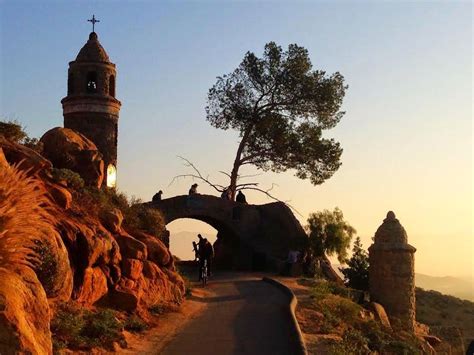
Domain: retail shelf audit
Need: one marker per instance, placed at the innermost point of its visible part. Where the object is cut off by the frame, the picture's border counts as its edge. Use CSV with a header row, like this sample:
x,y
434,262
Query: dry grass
x,y
25,216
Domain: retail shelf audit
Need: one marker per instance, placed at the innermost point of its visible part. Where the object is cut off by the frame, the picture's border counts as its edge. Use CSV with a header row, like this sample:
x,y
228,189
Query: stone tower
x,y
90,106
392,271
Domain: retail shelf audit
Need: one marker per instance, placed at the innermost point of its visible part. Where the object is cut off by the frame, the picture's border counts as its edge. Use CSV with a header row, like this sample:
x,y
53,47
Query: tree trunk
x,y
234,175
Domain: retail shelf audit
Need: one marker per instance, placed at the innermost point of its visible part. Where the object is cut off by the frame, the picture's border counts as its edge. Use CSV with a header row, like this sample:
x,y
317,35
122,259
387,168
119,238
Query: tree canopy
x,y
329,234
280,106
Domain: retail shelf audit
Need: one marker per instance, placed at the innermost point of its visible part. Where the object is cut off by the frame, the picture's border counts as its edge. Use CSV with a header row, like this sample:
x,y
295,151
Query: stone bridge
x,y
250,237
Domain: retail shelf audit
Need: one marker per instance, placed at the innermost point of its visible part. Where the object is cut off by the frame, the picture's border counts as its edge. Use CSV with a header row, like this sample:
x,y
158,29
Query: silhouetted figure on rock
x,y
193,189
241,197
157,196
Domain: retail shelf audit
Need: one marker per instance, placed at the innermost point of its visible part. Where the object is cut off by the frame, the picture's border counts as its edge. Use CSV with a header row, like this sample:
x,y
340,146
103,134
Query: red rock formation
x,y
54,249
71,150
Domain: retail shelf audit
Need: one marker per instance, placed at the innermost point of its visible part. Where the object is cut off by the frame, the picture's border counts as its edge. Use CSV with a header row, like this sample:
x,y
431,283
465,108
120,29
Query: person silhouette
x,y
193,189
241,197
157,196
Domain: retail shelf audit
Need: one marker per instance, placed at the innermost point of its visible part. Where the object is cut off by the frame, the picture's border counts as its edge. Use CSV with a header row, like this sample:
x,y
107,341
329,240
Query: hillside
x,y
443,312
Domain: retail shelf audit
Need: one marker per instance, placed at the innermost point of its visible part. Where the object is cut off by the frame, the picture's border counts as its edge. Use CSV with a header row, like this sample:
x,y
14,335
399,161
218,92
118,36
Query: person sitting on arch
x,y
226,194
157,197
241,197
193,189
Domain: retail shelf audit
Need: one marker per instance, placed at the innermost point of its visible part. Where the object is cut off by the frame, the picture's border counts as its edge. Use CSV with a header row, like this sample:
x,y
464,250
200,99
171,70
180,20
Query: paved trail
x,y
244,316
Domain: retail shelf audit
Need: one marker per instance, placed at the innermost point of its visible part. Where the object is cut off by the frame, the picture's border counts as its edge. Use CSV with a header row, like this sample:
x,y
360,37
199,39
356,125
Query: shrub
x,y
33,143
12,130
46,266
400,347
136,216
67,325
353,342
135,324
320,290
102,326
139,217
72,179
376,337
157,309
75,327
342,308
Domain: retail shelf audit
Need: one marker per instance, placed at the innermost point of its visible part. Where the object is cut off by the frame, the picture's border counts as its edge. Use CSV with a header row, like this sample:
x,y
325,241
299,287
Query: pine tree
x,y
356,275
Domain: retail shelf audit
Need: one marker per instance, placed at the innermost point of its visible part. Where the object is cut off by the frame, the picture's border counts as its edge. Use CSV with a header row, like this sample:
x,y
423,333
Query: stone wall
x,y
392,272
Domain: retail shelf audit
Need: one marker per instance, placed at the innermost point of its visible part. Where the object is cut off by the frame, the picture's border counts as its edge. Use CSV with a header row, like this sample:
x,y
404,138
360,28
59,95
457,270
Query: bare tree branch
x,y
226,174
221,188
249,176
267,192
198,176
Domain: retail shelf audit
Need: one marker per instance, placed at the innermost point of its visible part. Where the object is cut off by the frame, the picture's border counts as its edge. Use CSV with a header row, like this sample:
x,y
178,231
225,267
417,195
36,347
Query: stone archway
x,y
250,237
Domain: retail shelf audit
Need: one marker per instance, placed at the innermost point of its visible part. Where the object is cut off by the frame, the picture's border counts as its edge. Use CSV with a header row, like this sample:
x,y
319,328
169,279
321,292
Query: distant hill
x,y
460,287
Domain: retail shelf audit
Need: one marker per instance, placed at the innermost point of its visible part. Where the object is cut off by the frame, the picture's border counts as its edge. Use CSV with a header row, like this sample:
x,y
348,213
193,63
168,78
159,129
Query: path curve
x,y
244,315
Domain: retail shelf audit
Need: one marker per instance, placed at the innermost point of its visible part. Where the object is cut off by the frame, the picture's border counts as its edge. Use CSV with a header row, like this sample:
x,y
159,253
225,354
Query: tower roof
x,y
93,51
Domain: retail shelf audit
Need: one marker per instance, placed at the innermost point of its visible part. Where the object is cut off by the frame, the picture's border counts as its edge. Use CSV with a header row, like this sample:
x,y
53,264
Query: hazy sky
x,y
407,134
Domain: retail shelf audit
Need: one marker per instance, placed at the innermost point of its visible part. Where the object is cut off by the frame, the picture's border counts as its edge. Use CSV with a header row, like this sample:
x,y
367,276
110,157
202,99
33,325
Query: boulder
x,y
24,314
60,195
68,149
131,247
132,268
380,314
157,251
93,288
112,220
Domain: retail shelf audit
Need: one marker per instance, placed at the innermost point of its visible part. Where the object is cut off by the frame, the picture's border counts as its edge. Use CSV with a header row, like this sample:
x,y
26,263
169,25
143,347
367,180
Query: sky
x,y
406,134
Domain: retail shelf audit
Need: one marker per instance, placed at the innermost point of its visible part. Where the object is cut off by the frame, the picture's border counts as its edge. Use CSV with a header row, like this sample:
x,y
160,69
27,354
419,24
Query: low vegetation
x,y
449,317
136,216
78,328
339,325
14,131
72,179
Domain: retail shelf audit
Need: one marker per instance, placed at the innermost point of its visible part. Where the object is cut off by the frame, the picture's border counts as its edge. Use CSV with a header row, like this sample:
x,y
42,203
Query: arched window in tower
x,y
91,82
112,86
70,84
111,176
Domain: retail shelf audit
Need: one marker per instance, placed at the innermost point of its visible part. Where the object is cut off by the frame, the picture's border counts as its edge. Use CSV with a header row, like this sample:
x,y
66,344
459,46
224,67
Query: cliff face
x,y
53,249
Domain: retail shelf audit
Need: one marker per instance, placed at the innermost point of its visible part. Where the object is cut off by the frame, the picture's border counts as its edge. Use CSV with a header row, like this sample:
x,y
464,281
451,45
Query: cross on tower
x,y
93,20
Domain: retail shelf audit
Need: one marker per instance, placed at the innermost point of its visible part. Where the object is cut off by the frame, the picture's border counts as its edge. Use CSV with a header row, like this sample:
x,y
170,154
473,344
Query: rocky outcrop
x,y
68,149
54,249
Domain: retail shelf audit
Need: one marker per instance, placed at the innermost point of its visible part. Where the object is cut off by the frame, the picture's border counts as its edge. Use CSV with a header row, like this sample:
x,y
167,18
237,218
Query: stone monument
x,y
392,272
90,106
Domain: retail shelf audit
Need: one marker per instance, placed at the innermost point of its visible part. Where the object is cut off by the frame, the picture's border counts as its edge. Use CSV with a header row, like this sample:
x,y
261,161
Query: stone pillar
x,y
392,272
